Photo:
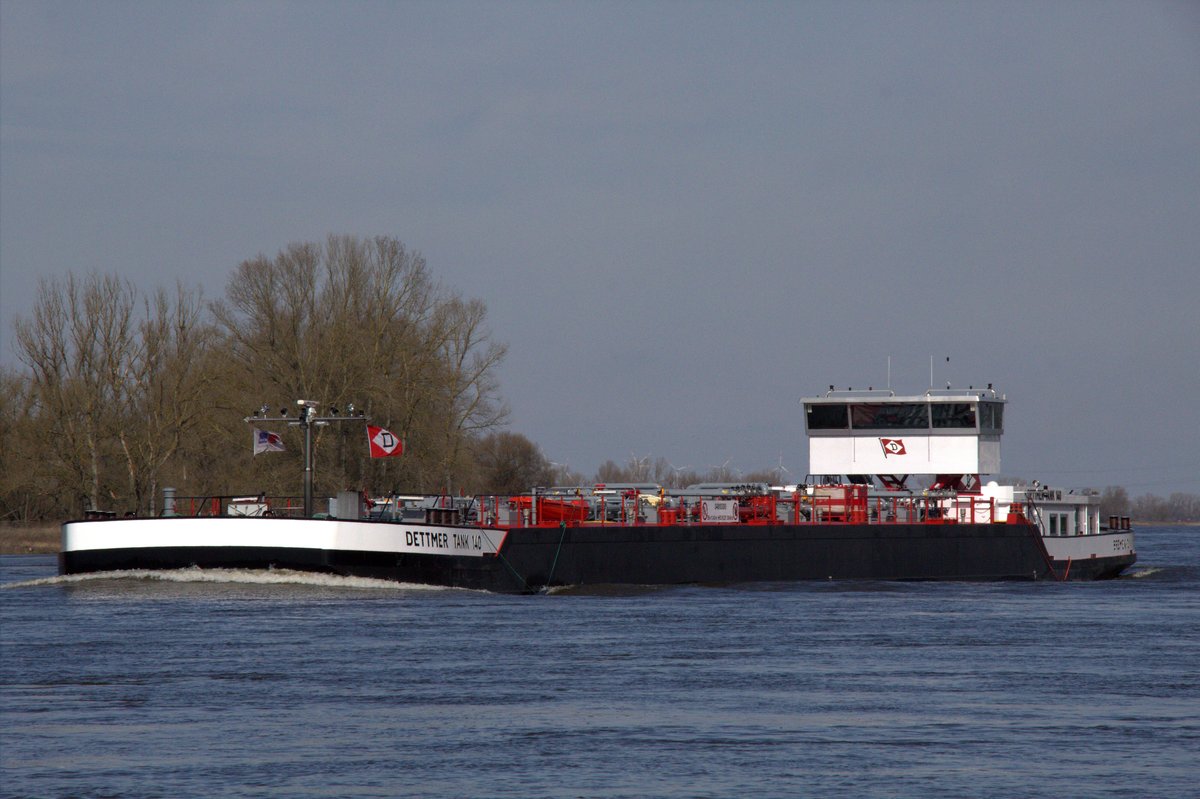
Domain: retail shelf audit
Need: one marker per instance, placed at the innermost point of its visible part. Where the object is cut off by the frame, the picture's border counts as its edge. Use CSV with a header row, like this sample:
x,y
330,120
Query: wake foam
x,y
228,576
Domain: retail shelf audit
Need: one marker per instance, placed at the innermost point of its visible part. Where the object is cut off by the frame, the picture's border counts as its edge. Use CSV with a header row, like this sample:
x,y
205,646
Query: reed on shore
x,y
30,539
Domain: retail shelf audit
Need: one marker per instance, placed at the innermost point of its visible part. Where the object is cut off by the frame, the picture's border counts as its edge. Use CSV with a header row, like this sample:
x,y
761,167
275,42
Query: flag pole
x,y
306,424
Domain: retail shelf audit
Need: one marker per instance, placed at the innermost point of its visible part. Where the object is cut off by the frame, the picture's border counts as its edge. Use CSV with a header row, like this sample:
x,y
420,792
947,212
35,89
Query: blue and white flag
x,y
266,441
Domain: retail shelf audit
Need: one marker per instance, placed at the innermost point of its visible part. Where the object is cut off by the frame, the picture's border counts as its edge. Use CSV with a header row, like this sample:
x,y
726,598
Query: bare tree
x,y
469,359
362,321
26,489
79,344
167,388
113,393
1114,501
611,472
510,463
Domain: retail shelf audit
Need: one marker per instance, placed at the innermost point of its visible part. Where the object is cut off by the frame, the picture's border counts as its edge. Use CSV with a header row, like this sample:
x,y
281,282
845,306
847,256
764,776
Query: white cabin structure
x,y
951,435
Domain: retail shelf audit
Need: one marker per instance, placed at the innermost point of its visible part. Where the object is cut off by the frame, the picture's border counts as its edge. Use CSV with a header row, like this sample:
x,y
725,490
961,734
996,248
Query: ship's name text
x,y
424,538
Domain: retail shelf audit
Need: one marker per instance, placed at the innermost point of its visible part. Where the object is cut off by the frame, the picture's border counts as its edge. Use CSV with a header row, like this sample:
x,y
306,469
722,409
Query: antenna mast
x,y
306,420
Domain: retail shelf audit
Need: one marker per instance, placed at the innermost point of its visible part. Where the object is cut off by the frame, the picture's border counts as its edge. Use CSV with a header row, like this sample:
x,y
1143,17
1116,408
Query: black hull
x,y
532,559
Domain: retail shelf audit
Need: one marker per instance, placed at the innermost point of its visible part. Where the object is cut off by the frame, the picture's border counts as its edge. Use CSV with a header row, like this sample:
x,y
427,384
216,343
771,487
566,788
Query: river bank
x,y
30,539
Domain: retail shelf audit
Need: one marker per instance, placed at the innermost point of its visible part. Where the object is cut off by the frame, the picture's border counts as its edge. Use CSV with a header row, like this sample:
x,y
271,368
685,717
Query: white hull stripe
x,y
321,534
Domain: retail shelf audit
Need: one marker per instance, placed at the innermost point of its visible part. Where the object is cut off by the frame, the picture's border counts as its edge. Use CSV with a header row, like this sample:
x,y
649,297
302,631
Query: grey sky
x,y
682,216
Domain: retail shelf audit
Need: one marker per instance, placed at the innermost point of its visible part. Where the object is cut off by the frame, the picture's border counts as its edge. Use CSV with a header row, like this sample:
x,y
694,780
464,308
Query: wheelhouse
x,y
951,435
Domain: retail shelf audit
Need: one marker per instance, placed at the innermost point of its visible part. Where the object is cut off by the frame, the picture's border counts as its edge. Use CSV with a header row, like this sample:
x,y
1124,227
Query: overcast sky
x,y
682,216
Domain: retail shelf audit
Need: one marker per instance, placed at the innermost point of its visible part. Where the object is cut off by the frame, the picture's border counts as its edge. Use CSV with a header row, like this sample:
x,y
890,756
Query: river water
x,y
248,684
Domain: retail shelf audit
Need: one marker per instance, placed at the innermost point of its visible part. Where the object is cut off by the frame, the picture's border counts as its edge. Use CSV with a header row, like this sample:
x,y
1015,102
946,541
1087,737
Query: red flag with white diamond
x,y
383,443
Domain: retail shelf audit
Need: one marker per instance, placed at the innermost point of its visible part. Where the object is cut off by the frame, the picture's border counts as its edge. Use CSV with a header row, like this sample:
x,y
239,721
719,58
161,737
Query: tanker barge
x,y
855,518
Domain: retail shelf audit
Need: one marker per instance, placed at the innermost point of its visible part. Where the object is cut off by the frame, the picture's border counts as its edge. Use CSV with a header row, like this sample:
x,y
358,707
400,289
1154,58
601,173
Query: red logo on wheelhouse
x,y
892,446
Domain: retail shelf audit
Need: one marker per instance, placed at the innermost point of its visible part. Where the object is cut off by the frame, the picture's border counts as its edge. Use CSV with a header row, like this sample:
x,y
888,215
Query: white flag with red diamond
x,y
383,443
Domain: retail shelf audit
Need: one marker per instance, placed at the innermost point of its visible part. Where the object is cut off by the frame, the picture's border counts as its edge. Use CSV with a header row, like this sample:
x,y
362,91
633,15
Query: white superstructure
x,y
878,433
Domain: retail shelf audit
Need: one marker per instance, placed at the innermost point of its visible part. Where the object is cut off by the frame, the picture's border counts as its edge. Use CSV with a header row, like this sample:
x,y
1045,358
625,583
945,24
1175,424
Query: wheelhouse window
x,y
954,414
890,416
828,417
991,416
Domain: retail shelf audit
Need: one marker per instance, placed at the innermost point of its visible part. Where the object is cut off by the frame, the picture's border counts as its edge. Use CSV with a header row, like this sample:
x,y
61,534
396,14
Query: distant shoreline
x,y
46,539
30,539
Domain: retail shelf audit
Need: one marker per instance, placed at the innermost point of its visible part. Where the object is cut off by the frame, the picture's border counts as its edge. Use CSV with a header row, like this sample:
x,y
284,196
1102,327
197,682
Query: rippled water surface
x,y
166,684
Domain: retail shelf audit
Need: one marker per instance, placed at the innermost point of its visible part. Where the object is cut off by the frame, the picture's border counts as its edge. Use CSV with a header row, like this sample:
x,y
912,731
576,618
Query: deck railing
x,y
848,504
231,505
828,505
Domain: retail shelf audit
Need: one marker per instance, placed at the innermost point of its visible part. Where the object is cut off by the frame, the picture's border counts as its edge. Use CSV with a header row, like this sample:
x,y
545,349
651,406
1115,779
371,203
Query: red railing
x,y
847,504
843,504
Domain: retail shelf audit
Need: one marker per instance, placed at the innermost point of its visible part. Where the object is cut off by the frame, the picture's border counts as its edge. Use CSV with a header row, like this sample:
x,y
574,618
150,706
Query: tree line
x,y
123,392
1175,508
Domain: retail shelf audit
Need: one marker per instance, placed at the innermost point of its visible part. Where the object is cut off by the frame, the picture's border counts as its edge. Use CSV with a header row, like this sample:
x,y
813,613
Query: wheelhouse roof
x,y
885,397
